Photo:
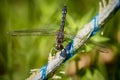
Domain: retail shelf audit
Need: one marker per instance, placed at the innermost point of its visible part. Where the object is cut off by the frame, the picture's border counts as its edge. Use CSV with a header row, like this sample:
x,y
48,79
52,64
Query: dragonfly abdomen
x,y
64,11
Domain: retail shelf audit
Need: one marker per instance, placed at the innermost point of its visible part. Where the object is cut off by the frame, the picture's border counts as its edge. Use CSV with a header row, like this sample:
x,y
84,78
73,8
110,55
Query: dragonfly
x,y
60,35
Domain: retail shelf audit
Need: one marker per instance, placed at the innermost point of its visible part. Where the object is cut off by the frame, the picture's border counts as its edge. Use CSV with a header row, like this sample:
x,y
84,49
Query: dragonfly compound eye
x,y
59,47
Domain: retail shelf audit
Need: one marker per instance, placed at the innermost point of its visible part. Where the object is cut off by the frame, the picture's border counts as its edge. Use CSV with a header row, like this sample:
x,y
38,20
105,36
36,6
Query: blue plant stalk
x,y
82,36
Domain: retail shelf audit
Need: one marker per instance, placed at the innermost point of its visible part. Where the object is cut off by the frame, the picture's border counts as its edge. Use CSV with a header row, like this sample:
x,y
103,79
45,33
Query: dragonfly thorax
x,y
60,37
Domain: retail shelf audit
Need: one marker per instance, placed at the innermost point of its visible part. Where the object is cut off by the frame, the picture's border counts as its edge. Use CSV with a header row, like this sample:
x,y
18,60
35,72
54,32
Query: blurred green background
x,y
20,54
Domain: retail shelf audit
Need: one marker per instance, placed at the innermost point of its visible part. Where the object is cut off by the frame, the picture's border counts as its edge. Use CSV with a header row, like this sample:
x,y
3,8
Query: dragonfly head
x,y
59,47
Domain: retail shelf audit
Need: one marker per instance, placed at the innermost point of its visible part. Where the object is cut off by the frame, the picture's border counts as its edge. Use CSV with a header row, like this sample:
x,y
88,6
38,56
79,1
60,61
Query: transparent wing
x,y
39,32
98,46
95,45
33,32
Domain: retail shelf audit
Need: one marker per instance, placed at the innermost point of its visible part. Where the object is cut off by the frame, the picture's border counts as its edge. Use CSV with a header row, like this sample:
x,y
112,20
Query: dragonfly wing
x,y
33,32
99,46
